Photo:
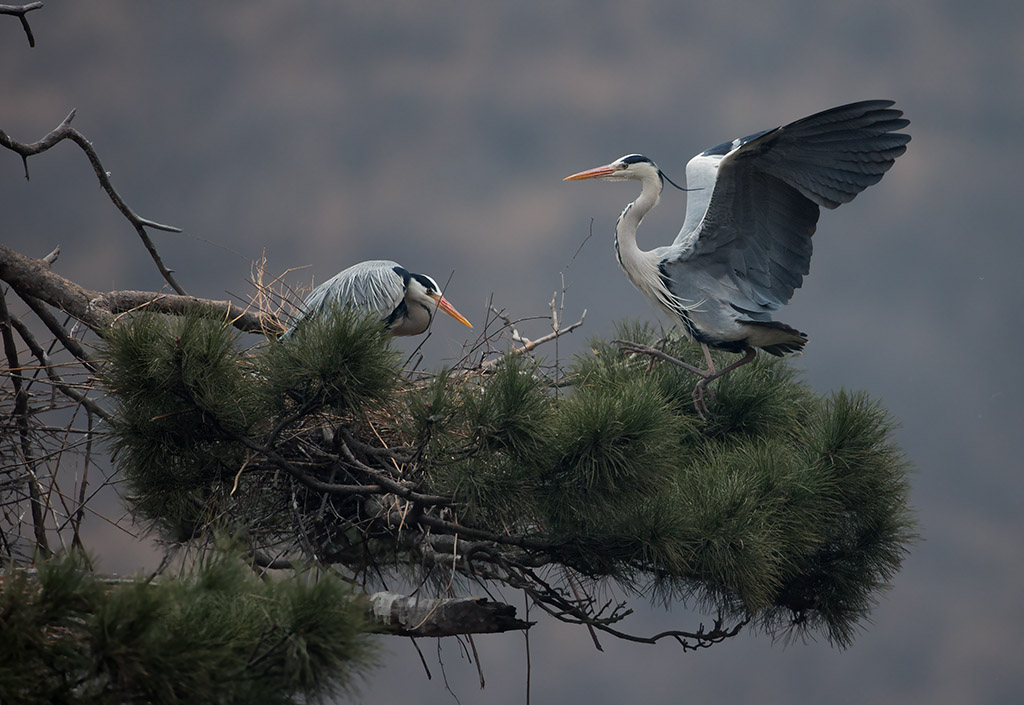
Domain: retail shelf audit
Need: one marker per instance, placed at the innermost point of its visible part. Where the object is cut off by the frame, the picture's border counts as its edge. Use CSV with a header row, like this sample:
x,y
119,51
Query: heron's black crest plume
x,y
665,177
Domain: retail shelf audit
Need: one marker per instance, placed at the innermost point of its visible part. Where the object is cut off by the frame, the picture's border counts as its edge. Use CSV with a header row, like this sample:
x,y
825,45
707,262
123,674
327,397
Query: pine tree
x,y
293,478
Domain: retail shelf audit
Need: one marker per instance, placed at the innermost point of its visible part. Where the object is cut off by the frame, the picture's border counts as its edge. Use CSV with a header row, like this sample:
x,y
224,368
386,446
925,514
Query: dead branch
x,y
33,279
660,355
19,11
415,616
64,131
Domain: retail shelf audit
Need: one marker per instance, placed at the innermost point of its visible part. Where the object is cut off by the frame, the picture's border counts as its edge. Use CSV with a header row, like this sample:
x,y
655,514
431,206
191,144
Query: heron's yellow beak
x,y
594,173
442,303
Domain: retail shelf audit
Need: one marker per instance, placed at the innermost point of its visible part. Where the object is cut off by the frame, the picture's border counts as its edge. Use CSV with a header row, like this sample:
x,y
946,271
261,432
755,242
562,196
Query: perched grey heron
x,y
405,301
752,207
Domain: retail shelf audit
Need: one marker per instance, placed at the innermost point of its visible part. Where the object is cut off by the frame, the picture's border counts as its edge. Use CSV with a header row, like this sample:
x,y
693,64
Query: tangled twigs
x,y
529,345
64,131
79,397
19,11
22,415
580,610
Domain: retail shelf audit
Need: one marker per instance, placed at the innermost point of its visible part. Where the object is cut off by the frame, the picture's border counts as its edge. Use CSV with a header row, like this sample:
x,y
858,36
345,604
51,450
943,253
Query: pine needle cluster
x,y
218,635
180,396
341,361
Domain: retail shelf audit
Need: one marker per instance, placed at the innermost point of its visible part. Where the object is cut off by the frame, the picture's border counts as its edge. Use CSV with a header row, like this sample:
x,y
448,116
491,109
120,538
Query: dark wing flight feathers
x,y
755,236
834,155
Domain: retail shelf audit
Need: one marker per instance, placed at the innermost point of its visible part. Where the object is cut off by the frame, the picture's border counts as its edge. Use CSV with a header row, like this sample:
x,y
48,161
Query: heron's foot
x,y
701,391
700,394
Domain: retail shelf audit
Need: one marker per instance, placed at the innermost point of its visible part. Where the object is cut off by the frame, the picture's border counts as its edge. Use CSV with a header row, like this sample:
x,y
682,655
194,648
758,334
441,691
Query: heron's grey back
x,y
370,287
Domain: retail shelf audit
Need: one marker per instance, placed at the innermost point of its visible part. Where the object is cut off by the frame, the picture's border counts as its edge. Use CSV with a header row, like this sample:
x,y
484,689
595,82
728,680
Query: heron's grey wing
x,y
751,223
370,287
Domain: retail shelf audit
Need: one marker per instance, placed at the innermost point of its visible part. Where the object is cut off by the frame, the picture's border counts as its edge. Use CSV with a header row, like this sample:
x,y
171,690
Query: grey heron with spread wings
x,y
752,207
405,301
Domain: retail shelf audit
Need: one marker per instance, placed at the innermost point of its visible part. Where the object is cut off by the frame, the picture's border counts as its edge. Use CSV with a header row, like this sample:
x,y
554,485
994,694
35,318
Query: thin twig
x,y
64,131
529,345
22,414
79,397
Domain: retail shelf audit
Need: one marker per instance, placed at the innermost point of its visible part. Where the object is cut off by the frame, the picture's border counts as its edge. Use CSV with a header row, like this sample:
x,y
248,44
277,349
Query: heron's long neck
x,y
636,263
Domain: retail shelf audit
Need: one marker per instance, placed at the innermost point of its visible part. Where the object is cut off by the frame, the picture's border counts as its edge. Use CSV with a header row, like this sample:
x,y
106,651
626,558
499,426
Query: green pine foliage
x,y
782,507
218,635
340,360
180,394
611,445
505,419
186,393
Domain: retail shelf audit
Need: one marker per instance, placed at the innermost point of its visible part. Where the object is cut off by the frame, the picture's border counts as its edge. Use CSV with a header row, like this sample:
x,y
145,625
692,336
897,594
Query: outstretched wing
x,y
376,286
750,222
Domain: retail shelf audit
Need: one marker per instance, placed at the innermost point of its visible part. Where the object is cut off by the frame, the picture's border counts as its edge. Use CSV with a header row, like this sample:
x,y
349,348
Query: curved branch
x,y
64,131
702,639
660,355
19,11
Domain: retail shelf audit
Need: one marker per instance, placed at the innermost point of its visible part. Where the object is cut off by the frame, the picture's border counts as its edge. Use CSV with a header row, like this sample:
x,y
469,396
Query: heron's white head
x,y
424,291
632,167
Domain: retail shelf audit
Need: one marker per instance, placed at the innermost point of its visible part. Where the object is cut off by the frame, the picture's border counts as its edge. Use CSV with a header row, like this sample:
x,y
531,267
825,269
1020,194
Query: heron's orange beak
x,y
442,303
594,173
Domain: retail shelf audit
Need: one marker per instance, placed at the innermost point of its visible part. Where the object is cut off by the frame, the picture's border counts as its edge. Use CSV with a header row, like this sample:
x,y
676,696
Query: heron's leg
x,y
707,358
710,371
701,388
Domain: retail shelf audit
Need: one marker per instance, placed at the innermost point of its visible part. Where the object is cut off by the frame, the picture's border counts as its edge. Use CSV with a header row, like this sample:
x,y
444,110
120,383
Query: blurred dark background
x,y
437,134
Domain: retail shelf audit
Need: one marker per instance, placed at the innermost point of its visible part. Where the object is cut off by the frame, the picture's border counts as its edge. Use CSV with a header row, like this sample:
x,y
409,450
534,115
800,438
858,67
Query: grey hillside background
x,y
437,135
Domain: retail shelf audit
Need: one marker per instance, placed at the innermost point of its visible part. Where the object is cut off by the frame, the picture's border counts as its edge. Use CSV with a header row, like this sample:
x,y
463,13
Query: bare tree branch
x,y
63,336
19,11
528,345
64,131
33,278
